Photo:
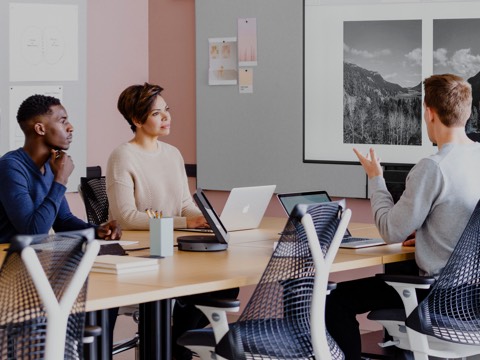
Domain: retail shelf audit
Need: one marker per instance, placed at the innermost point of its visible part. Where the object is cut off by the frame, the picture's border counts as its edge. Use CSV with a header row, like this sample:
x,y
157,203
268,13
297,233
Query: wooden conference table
x,y
188,273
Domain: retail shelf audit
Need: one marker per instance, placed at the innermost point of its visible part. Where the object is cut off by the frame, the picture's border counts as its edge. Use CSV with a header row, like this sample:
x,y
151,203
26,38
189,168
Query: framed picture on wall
x,y
373,97
457,51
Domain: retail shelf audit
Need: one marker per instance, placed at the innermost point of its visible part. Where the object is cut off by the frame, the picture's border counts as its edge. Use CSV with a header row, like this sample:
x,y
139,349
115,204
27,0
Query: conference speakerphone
x,y
216,242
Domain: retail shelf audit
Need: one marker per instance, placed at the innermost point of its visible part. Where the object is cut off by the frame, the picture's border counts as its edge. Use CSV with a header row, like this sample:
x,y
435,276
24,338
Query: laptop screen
x,y
289,200
211,216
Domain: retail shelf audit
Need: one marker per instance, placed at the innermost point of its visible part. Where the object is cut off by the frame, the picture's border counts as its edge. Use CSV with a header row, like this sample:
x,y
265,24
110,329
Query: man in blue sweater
x,y
33,178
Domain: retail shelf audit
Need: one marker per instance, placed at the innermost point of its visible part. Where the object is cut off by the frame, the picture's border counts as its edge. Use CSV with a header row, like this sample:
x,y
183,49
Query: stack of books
x,y
114,264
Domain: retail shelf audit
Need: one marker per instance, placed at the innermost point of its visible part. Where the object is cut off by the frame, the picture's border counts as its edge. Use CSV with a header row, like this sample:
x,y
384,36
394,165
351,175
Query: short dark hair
x,y
136,101
36,105
451,97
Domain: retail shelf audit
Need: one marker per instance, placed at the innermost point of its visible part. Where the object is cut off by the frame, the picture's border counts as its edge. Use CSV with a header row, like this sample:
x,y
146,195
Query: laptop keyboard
x,y
198,230
351,239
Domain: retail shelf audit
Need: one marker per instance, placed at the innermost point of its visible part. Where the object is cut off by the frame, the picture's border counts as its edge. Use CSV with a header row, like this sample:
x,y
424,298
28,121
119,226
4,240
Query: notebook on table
x,y
289,200
244,208
114,264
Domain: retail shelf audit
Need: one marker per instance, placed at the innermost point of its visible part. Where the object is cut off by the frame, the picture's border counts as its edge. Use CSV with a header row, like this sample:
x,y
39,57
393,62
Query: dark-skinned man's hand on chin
x,y
62,166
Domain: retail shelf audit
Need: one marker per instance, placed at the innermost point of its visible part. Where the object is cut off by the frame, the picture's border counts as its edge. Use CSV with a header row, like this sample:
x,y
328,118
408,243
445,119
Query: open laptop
x,y
246,206
289,200
216,242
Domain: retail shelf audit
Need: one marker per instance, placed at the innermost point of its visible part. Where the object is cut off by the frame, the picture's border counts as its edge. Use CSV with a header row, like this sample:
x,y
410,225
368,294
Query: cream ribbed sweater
x,y
138,179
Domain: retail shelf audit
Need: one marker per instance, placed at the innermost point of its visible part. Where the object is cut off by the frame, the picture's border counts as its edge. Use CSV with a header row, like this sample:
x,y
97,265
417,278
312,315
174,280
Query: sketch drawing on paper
x,y
456,50
40,45
43,42
382,82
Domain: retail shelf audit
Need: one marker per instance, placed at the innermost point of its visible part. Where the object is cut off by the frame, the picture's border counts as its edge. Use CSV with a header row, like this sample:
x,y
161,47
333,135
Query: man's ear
x,y
39,129
431,113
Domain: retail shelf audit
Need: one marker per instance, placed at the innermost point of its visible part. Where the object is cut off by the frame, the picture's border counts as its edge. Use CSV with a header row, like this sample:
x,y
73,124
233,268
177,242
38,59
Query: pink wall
x,y
172,66
117,56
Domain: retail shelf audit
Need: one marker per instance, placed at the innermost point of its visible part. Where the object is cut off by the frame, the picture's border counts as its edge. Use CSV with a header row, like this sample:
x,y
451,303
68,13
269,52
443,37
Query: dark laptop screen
x,y
221,234
289,201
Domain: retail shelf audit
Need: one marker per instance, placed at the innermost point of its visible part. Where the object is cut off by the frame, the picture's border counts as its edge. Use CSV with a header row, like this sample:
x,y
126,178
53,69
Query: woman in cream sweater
x,y
146,173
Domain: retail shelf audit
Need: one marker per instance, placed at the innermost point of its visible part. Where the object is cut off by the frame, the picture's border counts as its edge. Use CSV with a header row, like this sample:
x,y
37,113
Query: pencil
x,y
149,213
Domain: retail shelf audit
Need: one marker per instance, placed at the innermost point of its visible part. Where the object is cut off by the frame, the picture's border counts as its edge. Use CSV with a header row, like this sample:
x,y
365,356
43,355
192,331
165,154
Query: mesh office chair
x,y
93,191
284,318
446,323
42,302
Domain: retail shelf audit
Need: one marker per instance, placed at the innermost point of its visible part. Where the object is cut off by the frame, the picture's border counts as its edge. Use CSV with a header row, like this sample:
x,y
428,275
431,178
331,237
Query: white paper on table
x,y
120,242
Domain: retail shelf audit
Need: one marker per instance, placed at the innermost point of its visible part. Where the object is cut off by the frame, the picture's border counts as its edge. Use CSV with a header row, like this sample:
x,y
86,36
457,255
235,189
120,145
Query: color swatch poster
x,y
222,61
247,42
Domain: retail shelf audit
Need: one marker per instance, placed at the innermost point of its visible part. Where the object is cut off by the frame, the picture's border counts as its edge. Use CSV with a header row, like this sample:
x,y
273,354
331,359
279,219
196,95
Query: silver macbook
x,y
246,206
289,201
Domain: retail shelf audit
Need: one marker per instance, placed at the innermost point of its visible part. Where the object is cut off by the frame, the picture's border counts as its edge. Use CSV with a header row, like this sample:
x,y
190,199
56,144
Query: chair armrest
x,y
215,310
408,279
405,285
208,301
331,286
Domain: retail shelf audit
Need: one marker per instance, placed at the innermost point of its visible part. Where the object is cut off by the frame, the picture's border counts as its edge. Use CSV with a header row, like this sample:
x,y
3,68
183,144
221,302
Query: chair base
x,y
205,352
436,347
371,349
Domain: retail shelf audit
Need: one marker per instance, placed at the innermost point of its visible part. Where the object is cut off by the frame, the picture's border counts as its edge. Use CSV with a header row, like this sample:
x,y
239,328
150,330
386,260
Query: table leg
x,y
101,348
89,350
155,330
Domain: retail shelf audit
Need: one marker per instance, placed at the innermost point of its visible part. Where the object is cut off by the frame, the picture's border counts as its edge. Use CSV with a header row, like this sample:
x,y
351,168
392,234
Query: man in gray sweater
x,y
440,194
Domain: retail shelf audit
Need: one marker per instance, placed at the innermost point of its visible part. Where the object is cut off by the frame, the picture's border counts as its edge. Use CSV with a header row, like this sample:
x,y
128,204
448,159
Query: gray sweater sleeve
x,y
396,222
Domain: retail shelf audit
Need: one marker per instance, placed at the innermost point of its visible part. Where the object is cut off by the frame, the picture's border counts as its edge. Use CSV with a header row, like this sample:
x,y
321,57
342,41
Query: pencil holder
x,y
161,236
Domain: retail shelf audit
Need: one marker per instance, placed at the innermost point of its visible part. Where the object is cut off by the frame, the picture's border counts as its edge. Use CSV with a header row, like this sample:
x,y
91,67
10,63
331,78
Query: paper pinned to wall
x,y
43,42
245,80
247,42
222,61
17,95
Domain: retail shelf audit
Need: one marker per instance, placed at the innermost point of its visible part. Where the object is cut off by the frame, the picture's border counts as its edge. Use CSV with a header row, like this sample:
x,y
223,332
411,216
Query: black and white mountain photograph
x,y
382,82
456,50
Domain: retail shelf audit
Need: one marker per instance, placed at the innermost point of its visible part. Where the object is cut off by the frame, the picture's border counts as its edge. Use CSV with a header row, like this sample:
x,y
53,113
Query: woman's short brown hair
x,y
136,101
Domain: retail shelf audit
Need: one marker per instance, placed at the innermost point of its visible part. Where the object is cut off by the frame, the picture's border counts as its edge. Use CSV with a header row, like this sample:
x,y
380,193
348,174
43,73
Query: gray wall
x,y
257,139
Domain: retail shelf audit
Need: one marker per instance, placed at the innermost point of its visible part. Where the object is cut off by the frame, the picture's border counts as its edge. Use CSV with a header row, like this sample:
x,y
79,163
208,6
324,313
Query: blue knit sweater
x,y
31,202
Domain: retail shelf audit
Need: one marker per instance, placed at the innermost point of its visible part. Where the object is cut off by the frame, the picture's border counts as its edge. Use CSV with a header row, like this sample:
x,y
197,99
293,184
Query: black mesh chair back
x,y
94,194
24,316
276,321
451,311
